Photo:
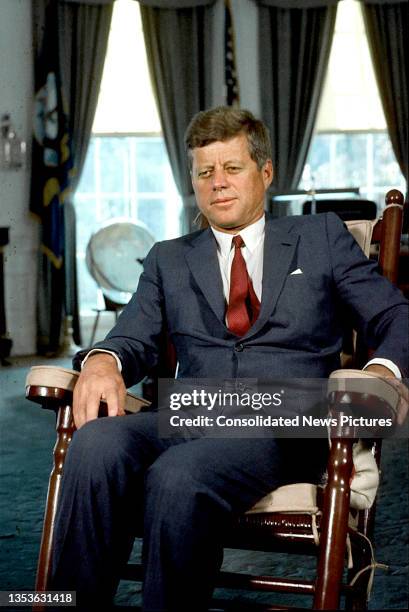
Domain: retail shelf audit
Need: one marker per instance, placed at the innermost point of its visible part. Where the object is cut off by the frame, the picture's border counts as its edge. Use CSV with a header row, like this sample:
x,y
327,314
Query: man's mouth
x,y
223,200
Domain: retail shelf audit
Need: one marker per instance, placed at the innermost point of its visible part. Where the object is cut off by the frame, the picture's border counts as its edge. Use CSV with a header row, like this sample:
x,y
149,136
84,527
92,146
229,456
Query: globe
x,y
115,255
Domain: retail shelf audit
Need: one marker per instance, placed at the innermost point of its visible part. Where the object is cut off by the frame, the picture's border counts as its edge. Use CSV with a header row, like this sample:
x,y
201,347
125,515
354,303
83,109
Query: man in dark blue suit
x,y
248,297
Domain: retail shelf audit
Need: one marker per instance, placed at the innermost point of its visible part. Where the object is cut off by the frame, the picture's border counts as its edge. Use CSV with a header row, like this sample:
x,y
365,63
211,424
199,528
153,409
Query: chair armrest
x,y
53,385
358,393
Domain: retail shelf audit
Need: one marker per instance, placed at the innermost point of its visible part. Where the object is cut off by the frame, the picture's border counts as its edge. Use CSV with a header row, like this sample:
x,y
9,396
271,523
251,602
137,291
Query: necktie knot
x,y
238,242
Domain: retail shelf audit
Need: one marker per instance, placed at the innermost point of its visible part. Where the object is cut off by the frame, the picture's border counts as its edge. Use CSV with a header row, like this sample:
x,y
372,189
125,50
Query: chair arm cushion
x,y
361,381
64,378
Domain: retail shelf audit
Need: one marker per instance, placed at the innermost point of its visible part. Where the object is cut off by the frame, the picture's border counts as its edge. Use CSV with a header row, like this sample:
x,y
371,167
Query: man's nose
x,y
219,179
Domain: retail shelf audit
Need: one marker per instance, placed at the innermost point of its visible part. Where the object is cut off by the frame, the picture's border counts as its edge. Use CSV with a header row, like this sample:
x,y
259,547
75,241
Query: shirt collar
x,y
251,235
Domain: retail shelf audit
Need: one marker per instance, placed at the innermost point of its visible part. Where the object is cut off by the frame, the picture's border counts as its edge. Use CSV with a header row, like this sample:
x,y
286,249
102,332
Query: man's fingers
x,y
91,406
85,405
116,403
88,394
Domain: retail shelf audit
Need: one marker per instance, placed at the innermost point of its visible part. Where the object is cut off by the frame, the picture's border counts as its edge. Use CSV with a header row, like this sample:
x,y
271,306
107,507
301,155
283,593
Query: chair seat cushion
x,y
64,378
302,497
299,498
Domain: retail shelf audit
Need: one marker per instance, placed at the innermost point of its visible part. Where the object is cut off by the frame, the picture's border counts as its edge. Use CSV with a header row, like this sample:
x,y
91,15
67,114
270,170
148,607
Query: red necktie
x,y
244,305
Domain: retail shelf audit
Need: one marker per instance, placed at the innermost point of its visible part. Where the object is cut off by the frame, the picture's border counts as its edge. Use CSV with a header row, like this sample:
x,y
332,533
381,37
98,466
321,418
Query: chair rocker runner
x,y
326,522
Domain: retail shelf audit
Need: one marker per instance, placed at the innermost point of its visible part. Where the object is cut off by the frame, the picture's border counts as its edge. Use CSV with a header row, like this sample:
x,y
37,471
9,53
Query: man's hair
x,y
223,123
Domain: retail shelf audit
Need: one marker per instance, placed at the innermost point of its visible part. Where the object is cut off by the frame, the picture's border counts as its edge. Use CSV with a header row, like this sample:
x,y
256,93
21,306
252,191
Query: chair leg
x,y
65,429
334,527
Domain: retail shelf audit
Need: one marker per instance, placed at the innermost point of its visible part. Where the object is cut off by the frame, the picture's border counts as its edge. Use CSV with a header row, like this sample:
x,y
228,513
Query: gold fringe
x,y
56,261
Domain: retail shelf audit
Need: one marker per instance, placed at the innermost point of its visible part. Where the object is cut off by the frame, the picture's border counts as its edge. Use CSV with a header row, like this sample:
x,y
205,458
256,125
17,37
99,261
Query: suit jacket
x,y
299,329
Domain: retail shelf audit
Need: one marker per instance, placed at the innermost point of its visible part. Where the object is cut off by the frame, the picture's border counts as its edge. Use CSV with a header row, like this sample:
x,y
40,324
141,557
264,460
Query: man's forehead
x,y
237,146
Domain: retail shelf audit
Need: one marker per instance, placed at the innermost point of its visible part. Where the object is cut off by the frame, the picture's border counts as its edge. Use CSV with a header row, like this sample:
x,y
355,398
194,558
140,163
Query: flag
x,y
232,87
51,173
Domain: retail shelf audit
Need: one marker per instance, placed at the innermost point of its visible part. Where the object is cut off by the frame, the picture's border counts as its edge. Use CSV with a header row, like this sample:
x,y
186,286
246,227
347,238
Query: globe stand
x,y
69,348
109,306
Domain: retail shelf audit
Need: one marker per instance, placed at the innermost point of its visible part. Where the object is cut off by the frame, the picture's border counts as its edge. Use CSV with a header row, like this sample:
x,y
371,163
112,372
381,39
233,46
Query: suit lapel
x,y
204,265
279,249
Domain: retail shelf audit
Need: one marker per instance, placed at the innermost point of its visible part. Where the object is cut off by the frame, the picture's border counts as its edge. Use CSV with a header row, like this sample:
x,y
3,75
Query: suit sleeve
x,y
378,309
136,335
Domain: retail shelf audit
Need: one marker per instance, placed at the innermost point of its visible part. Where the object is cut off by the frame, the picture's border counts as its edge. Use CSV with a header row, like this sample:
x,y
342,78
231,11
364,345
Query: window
x,y
127,171
351,145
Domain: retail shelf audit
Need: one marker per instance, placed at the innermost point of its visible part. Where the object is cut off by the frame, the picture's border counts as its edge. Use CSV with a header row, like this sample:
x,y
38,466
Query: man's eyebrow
x,y
229,161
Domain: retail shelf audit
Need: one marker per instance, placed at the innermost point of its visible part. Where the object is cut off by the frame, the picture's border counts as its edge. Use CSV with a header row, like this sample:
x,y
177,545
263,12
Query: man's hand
x,y
384,372
99,380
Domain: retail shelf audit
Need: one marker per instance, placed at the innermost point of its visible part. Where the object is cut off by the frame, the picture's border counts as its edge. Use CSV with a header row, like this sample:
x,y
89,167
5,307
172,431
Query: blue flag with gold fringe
x,y
51,173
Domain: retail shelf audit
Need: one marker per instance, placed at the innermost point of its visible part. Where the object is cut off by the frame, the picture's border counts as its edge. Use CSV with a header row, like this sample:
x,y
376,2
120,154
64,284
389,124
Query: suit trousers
x,y
121,479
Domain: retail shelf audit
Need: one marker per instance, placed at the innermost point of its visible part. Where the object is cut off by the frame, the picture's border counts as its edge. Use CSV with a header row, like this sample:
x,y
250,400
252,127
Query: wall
x,y
16,85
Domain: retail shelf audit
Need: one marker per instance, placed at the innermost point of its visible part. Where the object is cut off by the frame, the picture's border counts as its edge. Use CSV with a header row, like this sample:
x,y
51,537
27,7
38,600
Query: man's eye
x,y
204,173
233,169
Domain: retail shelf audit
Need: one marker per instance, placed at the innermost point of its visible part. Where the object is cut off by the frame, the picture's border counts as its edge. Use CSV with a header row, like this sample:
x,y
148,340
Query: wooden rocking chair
x,y
300,518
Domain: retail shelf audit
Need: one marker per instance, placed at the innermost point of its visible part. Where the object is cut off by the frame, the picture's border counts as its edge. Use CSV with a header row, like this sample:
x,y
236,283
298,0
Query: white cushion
x,y
63,378
302,497
362,381
365,480
299,498
362,231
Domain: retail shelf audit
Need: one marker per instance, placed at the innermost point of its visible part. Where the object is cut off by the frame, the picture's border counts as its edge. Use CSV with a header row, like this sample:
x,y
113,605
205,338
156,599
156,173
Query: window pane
x,y
87,287
350,160
387,168
113,163
153,214
151,165
113,206
86,220
318,162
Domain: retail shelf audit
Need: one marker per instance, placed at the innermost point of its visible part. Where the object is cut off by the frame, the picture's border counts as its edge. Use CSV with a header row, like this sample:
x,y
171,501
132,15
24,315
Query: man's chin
x,y
230,227
226,221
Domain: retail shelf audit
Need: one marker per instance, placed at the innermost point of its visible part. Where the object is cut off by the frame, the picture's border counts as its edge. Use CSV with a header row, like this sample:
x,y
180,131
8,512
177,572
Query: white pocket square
x,y
297,271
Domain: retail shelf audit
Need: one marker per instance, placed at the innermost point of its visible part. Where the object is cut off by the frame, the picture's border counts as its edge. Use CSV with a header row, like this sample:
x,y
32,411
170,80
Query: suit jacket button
x,y
239,347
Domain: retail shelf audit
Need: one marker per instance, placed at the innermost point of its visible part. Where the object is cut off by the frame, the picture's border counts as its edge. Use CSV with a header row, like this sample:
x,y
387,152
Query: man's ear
x,y
268,173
